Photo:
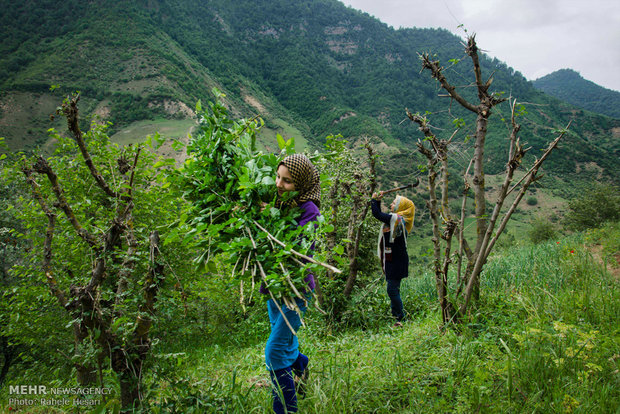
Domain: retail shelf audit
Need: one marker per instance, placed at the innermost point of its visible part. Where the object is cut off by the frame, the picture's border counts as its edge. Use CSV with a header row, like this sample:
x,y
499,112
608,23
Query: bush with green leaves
x,y
541,230
594,207
235,221
350,177
84,295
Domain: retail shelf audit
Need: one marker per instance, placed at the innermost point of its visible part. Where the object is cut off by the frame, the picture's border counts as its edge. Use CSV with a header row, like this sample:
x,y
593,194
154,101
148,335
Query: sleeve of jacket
x,y
375,206
309,212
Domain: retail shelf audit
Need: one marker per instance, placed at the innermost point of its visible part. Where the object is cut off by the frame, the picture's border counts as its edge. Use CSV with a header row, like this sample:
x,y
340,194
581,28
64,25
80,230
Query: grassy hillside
x,y
308,68
544,339
126,68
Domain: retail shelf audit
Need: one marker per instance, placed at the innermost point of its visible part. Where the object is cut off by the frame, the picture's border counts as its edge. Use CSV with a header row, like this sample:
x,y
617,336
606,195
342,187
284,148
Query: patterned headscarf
x,y
306,178
406,209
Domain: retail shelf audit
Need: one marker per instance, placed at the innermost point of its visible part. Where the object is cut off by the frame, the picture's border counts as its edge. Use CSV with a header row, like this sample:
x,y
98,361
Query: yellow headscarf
x,y
406,209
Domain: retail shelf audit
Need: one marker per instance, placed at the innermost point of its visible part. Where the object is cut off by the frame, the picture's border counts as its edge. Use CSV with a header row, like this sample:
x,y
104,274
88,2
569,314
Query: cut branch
x,y
296,253
264,277
436,73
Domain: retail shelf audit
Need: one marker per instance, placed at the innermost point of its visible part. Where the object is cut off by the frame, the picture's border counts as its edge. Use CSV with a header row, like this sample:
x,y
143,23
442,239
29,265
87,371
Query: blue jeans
x,y
393,291
282,355
282,347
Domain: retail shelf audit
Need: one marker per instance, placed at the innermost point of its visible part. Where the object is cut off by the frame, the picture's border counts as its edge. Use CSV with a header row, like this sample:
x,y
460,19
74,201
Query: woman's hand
x,y
377,196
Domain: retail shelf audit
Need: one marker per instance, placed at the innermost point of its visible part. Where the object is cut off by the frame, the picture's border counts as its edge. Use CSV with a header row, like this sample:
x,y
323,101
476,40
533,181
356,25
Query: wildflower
x,y
572,251
557,242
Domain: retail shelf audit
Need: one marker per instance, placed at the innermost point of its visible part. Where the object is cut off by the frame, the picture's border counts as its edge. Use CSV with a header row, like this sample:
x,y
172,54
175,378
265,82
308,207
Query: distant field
x,y
267,137
137,131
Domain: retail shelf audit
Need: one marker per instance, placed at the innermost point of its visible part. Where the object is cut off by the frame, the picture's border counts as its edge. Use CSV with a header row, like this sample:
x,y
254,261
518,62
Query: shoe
x,y
398,325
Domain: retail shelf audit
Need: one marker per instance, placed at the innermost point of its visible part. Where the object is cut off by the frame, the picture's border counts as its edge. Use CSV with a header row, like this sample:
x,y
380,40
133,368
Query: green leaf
x,y
268,180
210,266
281,142
339,249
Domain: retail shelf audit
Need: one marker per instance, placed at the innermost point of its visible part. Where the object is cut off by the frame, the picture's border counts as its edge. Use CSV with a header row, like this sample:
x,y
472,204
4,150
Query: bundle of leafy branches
x,y
235,220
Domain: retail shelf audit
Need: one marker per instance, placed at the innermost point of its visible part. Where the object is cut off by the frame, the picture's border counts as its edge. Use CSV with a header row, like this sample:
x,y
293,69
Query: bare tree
x,y
446,225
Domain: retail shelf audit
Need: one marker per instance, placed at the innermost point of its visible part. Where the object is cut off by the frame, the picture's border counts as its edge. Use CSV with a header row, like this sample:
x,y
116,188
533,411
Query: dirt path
x,y
612,266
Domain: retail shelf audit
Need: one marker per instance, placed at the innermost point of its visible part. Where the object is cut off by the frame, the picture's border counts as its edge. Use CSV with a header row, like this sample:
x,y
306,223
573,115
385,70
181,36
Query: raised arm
x,y
375,206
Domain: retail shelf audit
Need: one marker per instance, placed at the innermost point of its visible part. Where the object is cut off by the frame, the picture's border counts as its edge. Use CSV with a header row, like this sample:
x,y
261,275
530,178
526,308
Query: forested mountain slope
x,y
314,67
569,86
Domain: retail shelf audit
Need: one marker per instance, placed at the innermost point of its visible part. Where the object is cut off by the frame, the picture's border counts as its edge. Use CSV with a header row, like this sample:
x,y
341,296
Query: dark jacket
x,y
396,263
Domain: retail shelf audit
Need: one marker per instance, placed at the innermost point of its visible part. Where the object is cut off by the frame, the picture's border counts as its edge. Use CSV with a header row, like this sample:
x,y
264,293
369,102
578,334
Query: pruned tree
x,y
99,253
352,180
470,258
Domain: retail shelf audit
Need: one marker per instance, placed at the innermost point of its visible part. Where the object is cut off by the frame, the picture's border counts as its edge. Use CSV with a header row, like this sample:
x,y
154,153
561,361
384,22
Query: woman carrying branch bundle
x,y
284,361
392,246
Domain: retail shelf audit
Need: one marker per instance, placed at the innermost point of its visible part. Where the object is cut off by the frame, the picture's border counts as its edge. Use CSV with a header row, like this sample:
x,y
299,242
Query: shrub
x,y
532,201
597,205
541,230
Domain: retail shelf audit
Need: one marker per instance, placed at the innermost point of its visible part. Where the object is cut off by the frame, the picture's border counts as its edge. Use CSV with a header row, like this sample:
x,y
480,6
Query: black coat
x,y
396,265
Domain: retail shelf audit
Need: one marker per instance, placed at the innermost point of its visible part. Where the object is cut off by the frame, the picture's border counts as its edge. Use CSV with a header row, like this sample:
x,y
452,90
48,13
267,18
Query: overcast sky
x,y
535,37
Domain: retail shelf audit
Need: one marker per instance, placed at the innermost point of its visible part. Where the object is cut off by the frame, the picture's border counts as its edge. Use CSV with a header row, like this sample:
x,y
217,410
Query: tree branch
x,y
487,248
483,87
49,235
531,178
151,286
42,167
436,73
461,234
70,111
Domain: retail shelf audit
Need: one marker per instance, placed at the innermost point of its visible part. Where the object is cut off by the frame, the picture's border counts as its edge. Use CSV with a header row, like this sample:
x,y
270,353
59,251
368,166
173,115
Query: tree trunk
x,y
130,391
8,353
86,374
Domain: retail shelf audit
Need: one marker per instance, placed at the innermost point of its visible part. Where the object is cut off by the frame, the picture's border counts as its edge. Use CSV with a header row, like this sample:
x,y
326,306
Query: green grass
x,y
137,131
544,338
266,137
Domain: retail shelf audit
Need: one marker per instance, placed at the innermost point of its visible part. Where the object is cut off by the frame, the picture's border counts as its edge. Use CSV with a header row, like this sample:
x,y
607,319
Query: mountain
x,y
309,67
569,86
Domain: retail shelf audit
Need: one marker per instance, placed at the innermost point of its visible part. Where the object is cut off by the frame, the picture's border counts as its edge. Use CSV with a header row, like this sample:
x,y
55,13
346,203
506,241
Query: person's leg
x,y
281,354
300,364
284,391
300,369
393,291
281,349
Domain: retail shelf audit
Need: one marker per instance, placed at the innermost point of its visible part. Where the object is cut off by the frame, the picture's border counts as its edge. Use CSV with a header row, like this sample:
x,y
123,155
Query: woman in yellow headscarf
x,y
392,246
